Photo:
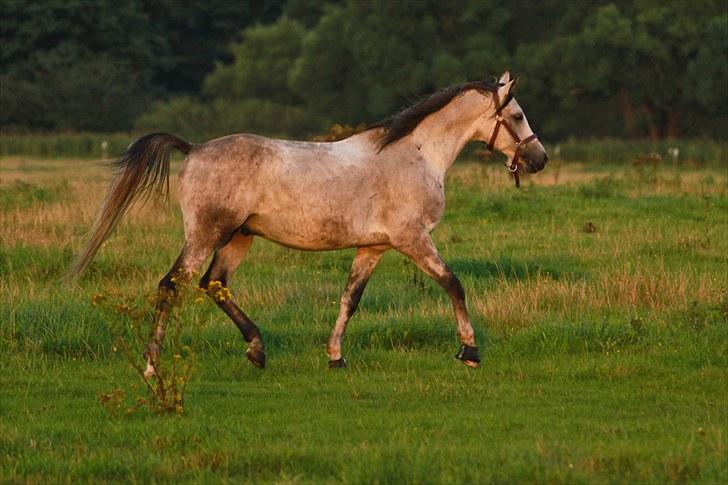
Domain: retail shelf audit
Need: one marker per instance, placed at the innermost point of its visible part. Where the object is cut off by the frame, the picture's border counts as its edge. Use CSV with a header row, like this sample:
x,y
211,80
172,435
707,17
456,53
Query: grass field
x,y
598,293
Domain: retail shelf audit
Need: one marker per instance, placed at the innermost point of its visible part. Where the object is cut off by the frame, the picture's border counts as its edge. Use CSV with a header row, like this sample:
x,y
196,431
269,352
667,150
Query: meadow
x,y
599,294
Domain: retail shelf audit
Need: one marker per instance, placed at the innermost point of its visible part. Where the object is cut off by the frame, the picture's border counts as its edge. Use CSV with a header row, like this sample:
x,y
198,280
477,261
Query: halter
x,y
513,166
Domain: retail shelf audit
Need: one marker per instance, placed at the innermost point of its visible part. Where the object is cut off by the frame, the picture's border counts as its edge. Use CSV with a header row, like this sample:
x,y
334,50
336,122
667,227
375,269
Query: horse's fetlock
x,y
256,354
333,348
468,354
152,352
337,364
151,356
256,343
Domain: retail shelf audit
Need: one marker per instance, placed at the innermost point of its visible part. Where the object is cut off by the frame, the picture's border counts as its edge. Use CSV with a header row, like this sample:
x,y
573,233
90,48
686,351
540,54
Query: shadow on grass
x,y
413,334
508,268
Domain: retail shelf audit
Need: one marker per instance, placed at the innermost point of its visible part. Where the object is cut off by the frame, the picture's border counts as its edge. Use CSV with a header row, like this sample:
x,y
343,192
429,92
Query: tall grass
x,y
607,151
65,145
611,151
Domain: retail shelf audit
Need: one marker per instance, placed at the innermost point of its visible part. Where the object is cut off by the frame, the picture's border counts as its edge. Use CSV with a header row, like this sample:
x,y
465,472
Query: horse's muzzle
x,y
537,163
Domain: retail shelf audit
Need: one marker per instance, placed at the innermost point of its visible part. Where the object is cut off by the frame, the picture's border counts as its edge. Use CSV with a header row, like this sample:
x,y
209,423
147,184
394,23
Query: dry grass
x,y
523,303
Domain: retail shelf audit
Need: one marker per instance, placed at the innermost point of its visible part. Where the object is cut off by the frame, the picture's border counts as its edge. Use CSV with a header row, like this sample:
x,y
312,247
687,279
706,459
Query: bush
x,y
190,118
182,116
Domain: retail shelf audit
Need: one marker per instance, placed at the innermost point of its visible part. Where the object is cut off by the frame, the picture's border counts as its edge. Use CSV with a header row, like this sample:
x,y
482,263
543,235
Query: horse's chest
x,y
433,206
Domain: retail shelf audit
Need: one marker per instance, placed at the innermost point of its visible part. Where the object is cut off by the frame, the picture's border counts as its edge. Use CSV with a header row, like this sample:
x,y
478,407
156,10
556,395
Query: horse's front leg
x,y
365,261
423,253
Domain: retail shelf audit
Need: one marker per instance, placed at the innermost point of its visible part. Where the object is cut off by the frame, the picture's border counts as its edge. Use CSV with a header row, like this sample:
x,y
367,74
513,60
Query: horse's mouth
x,y
532,167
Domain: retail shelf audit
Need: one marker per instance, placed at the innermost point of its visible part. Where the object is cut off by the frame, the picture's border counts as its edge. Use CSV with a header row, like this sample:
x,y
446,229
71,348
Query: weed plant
x,y
130,321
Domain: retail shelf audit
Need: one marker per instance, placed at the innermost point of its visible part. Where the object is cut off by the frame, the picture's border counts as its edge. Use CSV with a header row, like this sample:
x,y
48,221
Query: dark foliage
x,y
602,68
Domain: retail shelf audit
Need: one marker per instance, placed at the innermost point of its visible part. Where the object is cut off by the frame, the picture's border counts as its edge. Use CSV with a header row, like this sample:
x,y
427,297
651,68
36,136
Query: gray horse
x,y
380,189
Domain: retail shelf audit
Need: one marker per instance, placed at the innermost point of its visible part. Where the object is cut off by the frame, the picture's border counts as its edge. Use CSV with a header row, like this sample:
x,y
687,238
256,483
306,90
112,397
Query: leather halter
x,y
513,166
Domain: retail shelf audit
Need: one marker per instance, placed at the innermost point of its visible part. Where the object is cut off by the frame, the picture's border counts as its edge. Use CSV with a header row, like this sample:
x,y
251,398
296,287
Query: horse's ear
x,y
505,89
505,77
513,84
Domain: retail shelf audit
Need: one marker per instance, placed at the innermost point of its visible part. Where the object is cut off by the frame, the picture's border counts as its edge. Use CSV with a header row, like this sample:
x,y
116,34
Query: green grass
x,y
64,145
599,303
690,152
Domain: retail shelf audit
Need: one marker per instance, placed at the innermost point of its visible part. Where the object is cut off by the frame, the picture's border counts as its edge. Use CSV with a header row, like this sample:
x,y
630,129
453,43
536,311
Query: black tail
x,y
141,171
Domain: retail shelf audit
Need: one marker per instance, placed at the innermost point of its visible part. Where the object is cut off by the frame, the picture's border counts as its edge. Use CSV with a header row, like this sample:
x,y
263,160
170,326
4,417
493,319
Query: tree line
x,y
619,68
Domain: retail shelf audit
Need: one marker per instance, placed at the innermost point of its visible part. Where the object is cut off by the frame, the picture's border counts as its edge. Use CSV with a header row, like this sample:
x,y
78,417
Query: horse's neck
x,y
442,135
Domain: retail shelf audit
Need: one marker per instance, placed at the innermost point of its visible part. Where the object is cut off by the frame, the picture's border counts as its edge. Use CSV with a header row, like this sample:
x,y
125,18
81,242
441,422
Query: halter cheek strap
x,y
513,165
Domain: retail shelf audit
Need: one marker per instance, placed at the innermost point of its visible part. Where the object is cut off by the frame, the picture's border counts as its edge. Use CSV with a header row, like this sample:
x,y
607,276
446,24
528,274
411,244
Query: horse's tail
x,y
141,170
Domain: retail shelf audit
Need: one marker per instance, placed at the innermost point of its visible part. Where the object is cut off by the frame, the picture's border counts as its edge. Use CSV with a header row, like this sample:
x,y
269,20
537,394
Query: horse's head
x,y
516,140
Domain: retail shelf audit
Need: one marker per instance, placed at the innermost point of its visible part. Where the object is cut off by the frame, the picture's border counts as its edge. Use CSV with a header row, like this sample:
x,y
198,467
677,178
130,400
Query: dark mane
x,y
403,123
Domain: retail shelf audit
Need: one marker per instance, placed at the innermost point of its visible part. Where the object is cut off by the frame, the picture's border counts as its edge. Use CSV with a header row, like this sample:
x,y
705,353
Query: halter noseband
x,y
513,166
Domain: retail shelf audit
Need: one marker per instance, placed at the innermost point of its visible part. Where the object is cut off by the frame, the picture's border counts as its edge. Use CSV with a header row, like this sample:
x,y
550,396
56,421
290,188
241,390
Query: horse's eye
x,y
518,117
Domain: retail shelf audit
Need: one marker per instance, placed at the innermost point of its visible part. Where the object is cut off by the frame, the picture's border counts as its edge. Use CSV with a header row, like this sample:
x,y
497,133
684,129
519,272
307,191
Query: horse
x,y
380,189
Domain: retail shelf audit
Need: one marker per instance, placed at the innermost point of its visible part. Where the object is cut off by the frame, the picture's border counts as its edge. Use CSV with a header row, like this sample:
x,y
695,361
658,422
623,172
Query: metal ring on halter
x,y
513,167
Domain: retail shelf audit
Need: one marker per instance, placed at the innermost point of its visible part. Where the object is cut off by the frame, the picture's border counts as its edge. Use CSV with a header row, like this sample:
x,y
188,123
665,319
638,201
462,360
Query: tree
x,y
292,67
708,92
199,35
261,64
57,53
249,94
364,60
634,60
83,65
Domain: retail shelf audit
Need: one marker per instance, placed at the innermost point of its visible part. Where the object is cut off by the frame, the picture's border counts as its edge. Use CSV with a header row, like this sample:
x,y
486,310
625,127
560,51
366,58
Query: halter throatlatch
x,y
513,166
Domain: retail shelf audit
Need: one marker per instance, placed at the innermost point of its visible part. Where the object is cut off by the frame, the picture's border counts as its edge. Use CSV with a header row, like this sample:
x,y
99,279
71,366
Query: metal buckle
x,y
513,167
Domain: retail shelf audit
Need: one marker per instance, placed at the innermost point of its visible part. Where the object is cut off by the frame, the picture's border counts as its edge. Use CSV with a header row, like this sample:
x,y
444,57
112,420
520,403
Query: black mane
x,y
403,123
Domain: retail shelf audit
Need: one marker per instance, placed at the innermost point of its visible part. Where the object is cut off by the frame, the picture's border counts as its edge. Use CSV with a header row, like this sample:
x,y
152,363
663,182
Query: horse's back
x,y
309,195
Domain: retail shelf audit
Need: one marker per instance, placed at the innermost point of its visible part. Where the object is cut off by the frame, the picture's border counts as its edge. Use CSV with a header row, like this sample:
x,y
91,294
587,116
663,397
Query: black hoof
x,y
256,356
469,355
337,364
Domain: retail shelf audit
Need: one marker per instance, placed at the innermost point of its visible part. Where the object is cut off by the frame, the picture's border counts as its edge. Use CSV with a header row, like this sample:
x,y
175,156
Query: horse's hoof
x,y
337,364
256,356
469,355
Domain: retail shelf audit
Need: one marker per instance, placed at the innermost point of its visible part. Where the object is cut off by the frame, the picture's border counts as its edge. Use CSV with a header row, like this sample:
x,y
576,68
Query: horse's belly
x,y
314,234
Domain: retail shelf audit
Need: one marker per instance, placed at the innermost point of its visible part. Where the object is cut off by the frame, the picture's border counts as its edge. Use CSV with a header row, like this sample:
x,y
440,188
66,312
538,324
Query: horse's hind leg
x,y
215,282
188,262
365,261
424,254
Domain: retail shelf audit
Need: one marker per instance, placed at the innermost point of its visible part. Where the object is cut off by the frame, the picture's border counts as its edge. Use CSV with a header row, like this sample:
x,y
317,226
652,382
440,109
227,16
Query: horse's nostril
x,y
545,158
